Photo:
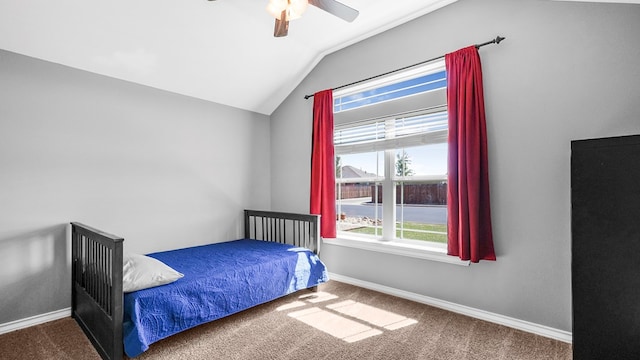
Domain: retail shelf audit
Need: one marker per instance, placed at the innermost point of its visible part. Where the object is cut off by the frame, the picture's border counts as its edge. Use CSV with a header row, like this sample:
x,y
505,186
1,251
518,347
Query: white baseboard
x,y
34,320
530,327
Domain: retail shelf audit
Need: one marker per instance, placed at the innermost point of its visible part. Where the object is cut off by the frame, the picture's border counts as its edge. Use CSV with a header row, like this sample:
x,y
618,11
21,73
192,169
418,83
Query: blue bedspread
x,y
219,280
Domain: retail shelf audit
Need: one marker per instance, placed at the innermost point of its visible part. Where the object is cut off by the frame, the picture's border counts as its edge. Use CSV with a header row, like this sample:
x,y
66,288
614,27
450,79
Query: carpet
x,y
340,321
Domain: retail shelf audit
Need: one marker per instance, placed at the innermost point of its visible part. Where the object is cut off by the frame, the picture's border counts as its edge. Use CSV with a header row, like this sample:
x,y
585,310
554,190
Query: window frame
x,y
387,241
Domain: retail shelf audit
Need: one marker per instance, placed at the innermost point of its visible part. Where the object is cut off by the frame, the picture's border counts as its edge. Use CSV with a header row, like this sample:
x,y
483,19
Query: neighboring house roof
x,y
349,171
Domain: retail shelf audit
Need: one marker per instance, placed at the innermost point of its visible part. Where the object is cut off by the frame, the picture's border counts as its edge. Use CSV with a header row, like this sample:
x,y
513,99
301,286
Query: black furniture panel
x,y
605,199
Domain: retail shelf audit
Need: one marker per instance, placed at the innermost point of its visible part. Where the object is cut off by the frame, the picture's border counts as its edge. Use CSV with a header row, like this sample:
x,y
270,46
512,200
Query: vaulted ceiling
x,y
222,51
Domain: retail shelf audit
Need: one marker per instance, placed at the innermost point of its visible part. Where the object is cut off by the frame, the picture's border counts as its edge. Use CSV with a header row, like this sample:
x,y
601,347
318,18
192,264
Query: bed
x,y
277,256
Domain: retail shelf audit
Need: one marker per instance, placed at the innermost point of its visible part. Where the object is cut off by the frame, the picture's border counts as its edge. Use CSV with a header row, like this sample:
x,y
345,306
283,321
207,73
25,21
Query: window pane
x,y
390,92
425,160
357,203
421,212
356,166
358,208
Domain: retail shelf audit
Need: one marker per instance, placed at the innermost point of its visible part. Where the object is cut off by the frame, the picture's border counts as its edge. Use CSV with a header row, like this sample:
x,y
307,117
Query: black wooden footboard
x,y
96,288
97,297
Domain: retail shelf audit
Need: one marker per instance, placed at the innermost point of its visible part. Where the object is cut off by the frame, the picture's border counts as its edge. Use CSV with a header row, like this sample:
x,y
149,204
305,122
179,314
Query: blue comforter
x,y
219,280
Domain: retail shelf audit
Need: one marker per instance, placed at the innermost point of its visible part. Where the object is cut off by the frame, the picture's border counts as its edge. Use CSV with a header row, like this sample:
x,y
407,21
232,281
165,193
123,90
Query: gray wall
x,y
566,71
161,170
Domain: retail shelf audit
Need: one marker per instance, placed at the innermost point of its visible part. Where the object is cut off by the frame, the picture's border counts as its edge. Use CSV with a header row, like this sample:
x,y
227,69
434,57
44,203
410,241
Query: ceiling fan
x,y
285,10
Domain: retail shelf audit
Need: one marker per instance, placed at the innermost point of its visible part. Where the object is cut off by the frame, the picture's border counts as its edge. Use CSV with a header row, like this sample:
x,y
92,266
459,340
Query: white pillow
x,y
142,272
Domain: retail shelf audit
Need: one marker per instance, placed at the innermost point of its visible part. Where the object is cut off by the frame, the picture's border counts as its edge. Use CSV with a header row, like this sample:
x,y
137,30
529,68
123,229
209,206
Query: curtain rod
x,y
497,40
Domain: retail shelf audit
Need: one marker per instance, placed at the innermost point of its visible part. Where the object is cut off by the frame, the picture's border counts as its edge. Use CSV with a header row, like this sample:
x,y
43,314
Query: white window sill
x,y
427,252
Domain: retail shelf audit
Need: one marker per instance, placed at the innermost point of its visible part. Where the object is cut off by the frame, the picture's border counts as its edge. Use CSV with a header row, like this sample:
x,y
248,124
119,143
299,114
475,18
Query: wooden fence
x,y
416,194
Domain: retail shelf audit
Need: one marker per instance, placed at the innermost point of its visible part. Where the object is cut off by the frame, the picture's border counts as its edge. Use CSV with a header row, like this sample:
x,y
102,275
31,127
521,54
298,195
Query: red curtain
x,y
323,178
469,212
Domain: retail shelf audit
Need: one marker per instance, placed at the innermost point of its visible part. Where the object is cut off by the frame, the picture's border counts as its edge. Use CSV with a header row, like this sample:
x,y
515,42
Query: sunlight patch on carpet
x,y
335,325
291,305
348,320
372,315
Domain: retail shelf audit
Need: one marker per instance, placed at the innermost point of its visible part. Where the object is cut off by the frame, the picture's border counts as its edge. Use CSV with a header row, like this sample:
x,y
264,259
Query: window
x,y
391,159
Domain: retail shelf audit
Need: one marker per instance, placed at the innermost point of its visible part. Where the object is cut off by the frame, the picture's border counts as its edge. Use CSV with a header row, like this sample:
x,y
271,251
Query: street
x,y
416,213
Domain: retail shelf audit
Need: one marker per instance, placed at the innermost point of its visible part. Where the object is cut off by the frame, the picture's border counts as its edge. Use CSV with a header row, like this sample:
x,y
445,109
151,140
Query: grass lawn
x,y
414,231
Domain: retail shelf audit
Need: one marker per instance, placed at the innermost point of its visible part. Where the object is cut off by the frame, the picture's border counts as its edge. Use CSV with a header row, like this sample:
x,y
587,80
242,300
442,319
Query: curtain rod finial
x,y
499,38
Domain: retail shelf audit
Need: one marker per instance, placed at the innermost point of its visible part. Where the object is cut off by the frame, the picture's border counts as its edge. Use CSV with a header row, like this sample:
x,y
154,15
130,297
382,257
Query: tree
x,y
338,167
402,164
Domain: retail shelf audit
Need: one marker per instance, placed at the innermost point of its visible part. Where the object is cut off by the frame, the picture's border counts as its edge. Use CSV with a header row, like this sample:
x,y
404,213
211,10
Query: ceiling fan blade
x,y
282,25
336,8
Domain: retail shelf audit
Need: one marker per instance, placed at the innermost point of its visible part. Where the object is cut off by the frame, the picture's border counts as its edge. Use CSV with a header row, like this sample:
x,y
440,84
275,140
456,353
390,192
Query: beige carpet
x,y
60,339
338,322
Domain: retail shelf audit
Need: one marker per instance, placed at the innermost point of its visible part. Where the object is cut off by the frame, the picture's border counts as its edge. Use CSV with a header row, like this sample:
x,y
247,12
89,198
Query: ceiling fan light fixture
x,y
294,8
275,7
